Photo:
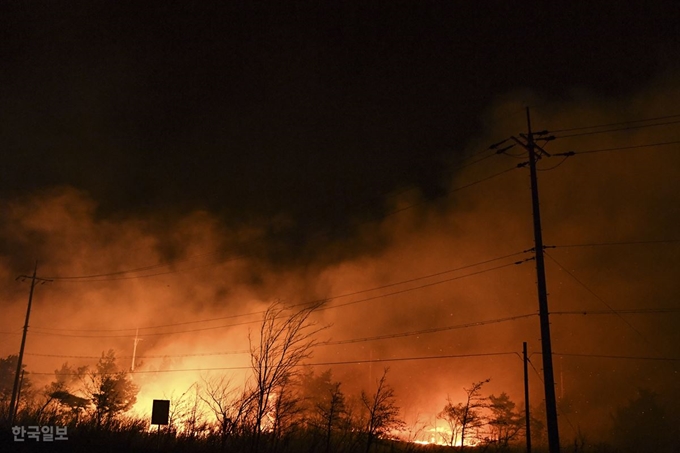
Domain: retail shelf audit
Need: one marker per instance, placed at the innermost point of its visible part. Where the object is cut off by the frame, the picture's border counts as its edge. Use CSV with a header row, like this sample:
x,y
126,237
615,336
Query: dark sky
x,y
252,110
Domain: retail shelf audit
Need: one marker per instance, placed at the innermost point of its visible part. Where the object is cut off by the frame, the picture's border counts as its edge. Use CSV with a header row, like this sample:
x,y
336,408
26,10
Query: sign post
x,y
160,413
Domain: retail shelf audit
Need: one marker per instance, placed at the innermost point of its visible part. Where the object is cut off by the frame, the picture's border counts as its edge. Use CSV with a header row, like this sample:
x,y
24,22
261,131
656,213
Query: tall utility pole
x,y
546,347
15,390
527,415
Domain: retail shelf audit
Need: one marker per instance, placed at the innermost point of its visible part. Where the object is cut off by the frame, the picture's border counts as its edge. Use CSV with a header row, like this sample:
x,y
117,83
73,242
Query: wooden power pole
x,y
17,376
546,347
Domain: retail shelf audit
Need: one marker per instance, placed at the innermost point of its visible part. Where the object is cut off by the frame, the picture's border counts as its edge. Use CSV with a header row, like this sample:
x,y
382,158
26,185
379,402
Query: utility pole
x,y
134,350
546,347
15,390
21,384
527,415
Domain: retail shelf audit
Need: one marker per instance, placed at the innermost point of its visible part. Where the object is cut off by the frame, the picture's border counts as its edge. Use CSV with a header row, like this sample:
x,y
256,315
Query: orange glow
x,y
199,296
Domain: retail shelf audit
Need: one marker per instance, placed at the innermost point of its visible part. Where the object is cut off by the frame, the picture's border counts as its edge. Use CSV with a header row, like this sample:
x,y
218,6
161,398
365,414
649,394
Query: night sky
x,y
248,152
311,111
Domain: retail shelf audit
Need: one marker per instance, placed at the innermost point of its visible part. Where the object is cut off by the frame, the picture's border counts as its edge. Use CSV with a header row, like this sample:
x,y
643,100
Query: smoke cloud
x,y
198,286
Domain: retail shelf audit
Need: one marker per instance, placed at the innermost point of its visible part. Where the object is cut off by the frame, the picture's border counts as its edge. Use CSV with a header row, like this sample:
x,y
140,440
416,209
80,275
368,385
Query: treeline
x,y
282,407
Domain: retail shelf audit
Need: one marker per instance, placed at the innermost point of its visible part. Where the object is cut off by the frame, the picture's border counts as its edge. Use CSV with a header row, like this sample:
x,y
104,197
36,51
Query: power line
x,y
221,318
627,128
426,285
597,244
428,331
622,357
554,166
256,321
148,334
641,311
624,148
121,275
326,343
615,124
600,299
198,354
344,362
332,297
474,183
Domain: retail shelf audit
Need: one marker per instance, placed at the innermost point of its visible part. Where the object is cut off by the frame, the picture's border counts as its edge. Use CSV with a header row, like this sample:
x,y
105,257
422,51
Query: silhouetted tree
x,y
383,412
110,389
538,431
505,423
187,415
65,391
323,404
220,398
471,417
332,411
8,369
284,342
452,414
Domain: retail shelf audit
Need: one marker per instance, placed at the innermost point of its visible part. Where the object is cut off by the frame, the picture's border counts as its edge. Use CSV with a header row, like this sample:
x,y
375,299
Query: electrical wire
x,y
332,297
325,343
257,321
638,311
642,126
331,363
427,285
624,148
172,356
474,183
554,166
615,124
117,275
428,331
622,357
600,299
598,244
121,275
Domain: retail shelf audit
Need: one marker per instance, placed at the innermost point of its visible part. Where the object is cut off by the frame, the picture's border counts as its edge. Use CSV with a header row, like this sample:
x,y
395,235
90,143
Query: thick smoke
x,y
199,281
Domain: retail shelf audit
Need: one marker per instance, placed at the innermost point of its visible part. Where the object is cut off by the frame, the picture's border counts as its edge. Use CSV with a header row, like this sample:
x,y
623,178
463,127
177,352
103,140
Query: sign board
x,y
160,412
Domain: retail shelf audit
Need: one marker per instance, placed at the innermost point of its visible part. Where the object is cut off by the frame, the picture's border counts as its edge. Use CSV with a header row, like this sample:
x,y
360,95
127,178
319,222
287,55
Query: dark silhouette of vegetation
x,y
8,368
110,389
383,412
504,422
644,425
452,414
63,392
285,408
284,341
466,416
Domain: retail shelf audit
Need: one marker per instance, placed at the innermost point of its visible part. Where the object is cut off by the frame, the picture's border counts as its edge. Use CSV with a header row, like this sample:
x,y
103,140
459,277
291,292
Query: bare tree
x,y
187,416
414,429
383,412
285,340
471,417
229,405
452,414
332,410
